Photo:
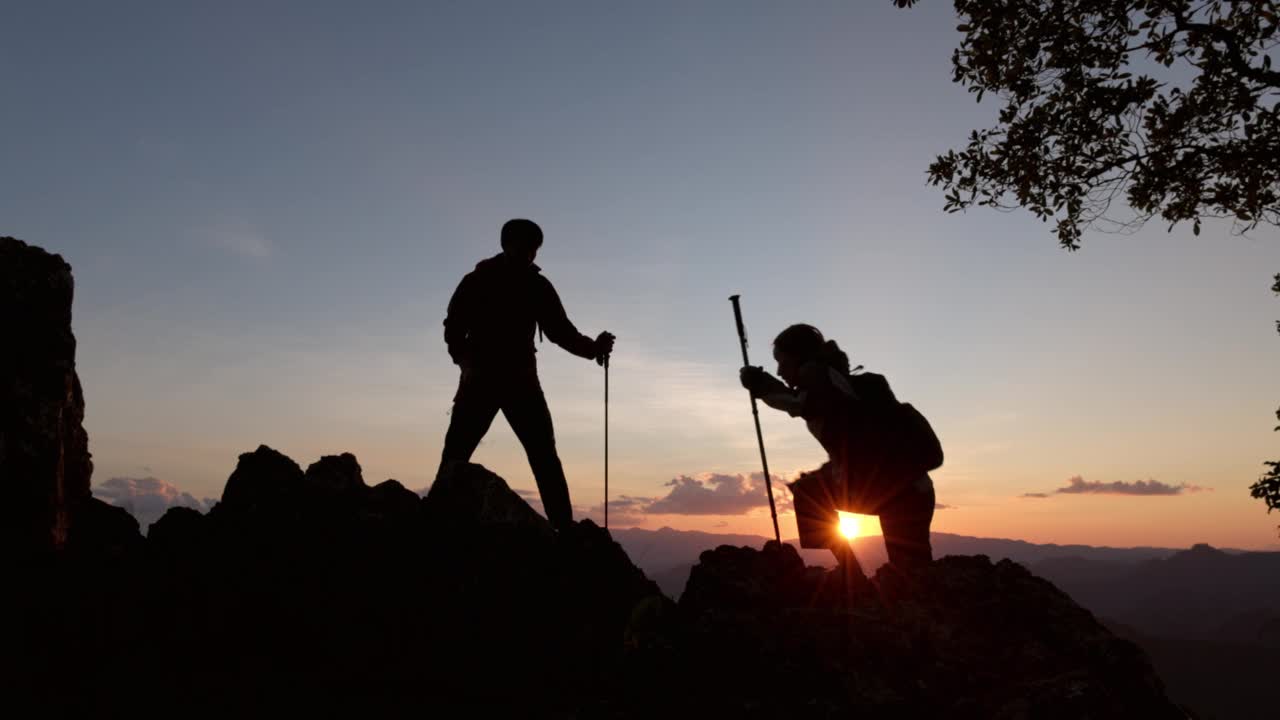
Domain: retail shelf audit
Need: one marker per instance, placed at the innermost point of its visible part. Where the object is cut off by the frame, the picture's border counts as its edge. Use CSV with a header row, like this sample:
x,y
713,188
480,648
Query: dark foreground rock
x,y
313,591
325,597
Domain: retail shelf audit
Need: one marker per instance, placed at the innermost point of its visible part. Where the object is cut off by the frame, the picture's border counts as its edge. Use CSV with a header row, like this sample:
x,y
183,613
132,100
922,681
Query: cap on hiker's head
x,y
524,233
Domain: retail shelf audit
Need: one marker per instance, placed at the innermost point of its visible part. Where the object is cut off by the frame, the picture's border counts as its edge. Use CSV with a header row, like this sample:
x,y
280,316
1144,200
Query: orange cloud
x,y
718,494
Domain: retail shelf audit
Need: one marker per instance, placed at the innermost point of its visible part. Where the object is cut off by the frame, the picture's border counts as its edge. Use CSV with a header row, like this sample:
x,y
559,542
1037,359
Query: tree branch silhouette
x,y
1097,119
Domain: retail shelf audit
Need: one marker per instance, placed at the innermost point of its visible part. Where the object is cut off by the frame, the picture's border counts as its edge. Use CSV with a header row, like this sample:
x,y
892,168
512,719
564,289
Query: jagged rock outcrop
x,y
470,497
335,475
965,638
44,451
103,531
466,600
264,480
320,581
730,578
180,529
390,502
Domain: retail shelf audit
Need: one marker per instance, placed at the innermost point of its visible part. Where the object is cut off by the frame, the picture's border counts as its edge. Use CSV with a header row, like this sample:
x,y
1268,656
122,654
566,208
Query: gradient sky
x,y
268,205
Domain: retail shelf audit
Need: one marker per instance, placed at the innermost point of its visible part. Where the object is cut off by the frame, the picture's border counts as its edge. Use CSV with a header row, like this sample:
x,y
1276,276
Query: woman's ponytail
x,y
836,358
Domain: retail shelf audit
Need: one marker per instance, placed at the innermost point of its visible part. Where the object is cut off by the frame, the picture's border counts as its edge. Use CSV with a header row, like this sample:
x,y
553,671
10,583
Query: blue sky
x,y
267,206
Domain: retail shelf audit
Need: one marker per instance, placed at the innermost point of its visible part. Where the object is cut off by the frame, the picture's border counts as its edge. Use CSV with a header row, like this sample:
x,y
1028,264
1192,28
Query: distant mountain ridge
x,y
664,552
1203,593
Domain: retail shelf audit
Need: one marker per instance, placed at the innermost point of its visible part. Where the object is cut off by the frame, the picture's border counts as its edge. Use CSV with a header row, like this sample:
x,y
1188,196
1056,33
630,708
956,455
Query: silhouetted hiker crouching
x,y
489,330
879,450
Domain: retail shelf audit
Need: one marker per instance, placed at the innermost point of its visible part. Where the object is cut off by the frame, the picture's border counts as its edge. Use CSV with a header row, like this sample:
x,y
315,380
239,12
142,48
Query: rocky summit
x,y
374,600
312,592
964,638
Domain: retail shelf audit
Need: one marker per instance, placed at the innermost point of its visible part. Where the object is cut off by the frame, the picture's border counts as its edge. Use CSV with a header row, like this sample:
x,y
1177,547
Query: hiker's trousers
x,y
905,515
519,396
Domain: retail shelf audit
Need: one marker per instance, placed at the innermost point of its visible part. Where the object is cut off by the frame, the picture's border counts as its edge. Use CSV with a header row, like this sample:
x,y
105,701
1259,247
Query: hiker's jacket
x,y
495,312
847,415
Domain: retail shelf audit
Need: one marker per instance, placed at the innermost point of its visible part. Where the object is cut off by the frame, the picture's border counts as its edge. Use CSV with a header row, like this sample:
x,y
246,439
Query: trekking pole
x,y
755,412
606,443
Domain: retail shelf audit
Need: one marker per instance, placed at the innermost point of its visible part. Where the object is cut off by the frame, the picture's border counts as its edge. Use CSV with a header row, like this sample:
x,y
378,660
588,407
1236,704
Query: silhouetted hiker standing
x,y
489,329
879,450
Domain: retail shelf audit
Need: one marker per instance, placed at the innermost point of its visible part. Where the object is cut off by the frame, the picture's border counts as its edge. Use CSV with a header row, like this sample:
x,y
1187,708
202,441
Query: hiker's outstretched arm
x,y
556,325
791,403
457,322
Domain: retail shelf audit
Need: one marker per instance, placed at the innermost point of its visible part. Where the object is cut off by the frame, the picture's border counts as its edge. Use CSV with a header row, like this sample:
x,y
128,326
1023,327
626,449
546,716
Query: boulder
x,y
389,501
262,481
731,577
334,475
471,497
102,529
179,529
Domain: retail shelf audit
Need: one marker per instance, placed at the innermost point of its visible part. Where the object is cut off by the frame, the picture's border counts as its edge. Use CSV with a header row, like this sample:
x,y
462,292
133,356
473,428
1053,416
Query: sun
x,y
848,525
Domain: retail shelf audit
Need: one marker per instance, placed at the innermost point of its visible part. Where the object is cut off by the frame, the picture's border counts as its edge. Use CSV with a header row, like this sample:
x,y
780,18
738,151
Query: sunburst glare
x,y
849,525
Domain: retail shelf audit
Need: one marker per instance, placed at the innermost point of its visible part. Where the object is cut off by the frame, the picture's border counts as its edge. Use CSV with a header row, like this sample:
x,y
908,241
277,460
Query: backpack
x,y
903,437
919,444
